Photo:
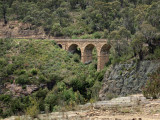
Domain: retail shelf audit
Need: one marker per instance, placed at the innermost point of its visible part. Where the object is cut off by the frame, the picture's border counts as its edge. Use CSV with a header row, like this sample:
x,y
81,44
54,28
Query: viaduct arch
x,y
86,46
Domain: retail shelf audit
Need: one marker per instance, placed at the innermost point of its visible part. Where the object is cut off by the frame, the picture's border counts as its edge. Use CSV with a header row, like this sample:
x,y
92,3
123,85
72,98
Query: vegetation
x,y
152,88
133,24
41,62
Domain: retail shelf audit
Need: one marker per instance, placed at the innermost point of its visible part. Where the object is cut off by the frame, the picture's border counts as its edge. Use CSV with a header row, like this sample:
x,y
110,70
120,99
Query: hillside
x,y
85,18
37,76
39,70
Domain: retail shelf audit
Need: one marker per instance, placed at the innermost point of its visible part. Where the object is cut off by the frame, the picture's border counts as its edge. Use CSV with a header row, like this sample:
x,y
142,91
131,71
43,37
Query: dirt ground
x,y
146,110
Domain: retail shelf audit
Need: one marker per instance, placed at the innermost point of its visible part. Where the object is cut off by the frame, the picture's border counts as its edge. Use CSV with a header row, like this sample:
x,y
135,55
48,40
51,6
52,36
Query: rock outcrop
x,y
17,90
15,29
128,78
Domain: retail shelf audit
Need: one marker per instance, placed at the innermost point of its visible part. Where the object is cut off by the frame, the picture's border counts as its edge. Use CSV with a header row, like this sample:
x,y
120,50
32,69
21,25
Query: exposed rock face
x,y
17,90
128,78
14,29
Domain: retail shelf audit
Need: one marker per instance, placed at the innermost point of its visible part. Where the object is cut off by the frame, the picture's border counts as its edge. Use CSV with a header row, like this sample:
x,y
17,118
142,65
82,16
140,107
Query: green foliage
x,y
51,100
152,88
132,24
84,19
33,109
95,90
110,96
23,80
34,71
154,56
5,98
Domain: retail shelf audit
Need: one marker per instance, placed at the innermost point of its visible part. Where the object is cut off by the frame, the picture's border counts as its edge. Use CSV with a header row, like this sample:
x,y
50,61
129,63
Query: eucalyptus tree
x,y
5,5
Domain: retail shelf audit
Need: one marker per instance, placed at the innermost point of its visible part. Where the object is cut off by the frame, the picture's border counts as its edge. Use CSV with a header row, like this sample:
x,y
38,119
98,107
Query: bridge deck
x,y
80,40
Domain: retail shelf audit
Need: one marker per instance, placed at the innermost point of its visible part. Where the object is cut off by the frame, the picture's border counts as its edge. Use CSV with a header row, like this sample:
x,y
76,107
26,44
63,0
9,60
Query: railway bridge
x,y
86,47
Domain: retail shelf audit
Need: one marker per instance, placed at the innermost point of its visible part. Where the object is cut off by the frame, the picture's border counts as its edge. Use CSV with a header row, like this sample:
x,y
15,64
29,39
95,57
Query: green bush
x,y
95,90
68,95
23,79
17,105
152,87
1,112
10,69
20,72
86,36
33,109
7,113
98,35
34,71
76,58
5,98
157,53
110,96
3,62
51,100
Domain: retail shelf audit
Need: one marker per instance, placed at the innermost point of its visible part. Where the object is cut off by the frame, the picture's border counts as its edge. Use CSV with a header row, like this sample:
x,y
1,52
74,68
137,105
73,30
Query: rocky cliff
x,y
15,29
128,78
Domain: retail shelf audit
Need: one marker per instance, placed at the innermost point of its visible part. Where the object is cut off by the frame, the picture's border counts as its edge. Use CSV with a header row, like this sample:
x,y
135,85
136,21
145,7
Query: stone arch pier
x,y
86,46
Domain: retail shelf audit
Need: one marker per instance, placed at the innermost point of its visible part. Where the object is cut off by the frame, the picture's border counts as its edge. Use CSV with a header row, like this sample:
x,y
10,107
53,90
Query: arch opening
x,y
59,45
104,56
74,49
90,54
105,49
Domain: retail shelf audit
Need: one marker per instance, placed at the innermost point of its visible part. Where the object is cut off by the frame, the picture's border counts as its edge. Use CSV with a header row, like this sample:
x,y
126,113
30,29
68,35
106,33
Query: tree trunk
x,y
151,47
134,50
140,53
4,15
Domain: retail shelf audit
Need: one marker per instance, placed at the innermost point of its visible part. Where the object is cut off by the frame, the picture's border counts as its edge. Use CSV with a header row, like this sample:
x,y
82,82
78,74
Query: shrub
x,y
98,35
20,72
152,88
7,113
3,62
5,98
68,95
33,109
1,112
42,79
157,53
110,96
61,86
34,71
41,93
10,69
56,108
76,58
51,100
23,80
86,36
95,90
17,105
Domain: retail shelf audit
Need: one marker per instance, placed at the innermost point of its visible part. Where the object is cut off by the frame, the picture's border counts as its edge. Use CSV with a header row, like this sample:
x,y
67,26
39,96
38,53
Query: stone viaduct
x,y
86,47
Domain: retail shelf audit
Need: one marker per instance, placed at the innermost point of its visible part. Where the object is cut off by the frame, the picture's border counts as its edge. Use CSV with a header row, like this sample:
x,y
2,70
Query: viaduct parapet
x,y
86,47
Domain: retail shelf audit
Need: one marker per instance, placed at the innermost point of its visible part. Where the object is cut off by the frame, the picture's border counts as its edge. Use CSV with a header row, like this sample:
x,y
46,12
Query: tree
x,y
3,10
121,38
73,3
149,33
56,30
153,14
140,15
137,45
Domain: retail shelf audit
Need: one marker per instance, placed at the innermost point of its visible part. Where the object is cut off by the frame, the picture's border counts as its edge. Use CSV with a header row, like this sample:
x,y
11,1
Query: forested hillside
x,y
127,21
87,18
38,76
